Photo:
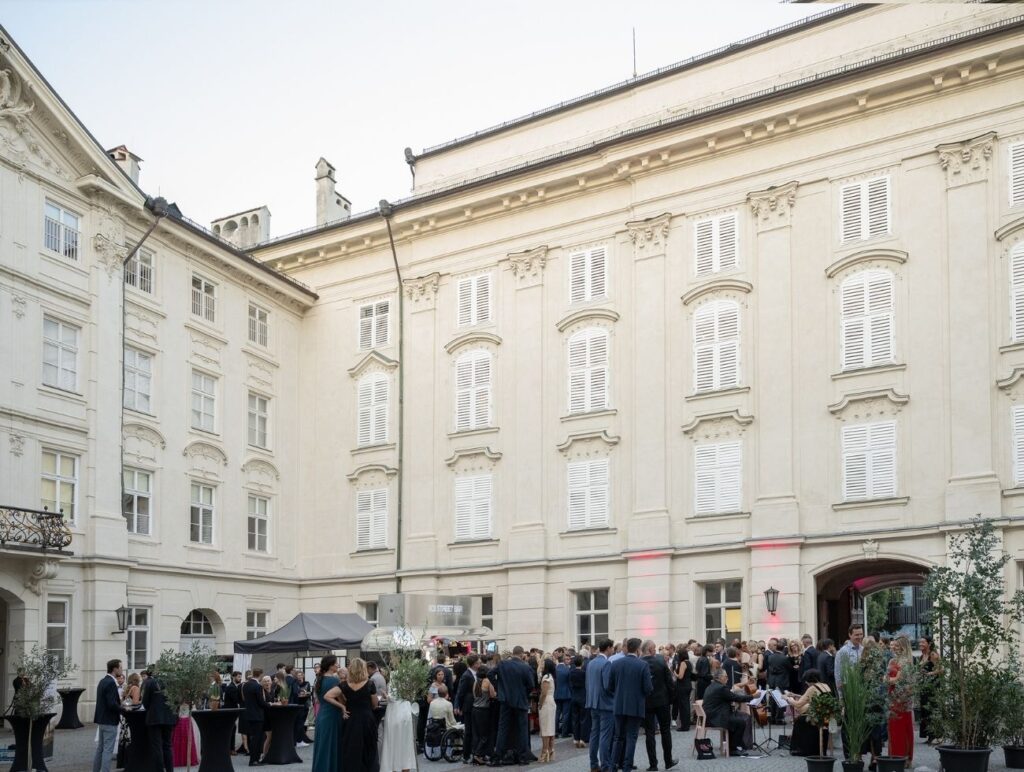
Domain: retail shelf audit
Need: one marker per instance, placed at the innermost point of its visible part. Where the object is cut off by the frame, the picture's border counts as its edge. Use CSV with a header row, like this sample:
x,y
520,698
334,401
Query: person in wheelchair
x,y
444,735
441,709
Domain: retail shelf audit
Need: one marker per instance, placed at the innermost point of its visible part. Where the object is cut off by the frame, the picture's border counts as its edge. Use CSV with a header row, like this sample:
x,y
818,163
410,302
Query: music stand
x,y
765,746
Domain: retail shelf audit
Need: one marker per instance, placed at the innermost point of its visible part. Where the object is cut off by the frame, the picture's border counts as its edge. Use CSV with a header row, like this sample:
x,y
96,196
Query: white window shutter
x,y
855,462
882,479
380,410
365,406
463,508
1017,419
582,376
463,393
728,244
578,277
482,390
1017,174
704,348
728,340
877,206
465,293
597,273
366,327
364,517
383,311
597,365
730,478
705,459
598,503
481,507
879,285
1017,290
578,480
379,528
852,313
850,216
483,299
588,493
704,248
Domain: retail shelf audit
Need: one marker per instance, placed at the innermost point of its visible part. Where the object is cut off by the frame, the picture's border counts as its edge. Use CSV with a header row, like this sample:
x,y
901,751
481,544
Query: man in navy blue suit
x,y
515,681
107,716
601,707
629,680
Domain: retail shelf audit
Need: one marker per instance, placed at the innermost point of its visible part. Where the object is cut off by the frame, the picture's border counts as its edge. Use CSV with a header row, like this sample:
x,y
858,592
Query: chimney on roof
x,y
331,206
127,160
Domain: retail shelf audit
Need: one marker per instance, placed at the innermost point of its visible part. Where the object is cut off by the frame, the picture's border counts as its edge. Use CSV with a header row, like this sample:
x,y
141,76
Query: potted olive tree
x,y
1012,734
824,707
186,679
977,628
863,706
35,704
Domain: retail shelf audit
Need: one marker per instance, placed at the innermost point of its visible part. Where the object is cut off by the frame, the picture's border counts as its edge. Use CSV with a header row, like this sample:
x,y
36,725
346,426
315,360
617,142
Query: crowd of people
x,y
598,696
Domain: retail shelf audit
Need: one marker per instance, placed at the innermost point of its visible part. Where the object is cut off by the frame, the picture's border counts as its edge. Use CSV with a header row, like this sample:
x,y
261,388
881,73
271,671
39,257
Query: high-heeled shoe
x,y
543,757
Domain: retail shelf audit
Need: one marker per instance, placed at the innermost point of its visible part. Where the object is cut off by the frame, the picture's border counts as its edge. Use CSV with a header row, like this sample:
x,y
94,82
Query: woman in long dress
x,y
359,740
327,740
901,716
806,737
398,740
547,711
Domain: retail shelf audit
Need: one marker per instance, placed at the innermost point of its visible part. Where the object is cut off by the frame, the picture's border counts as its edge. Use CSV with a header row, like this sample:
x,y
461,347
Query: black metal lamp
x,y
122,618
771,600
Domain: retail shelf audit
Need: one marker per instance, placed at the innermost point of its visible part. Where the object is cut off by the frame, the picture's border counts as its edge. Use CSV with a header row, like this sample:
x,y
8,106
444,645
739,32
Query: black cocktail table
x,y
137,754
69,711
280,721
216,729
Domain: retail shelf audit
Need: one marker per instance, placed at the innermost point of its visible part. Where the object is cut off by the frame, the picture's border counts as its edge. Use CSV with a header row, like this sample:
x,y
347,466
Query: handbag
x,y
704,747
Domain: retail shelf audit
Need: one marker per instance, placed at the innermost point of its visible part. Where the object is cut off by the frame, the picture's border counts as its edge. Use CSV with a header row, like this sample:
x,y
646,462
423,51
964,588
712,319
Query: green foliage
x,y
877,605
1012,714
977,628
186,675
863,699
409,675
824,707
43,670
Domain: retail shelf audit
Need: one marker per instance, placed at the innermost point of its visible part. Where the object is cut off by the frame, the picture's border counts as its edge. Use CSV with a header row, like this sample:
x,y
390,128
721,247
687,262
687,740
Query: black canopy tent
x,y
311,632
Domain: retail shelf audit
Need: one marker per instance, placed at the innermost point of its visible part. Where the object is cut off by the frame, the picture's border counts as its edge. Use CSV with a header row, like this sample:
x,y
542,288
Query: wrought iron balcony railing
x,y
33,528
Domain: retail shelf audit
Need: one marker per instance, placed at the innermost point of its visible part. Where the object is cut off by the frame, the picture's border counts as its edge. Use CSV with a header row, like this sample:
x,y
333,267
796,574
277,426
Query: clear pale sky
x,y
231,103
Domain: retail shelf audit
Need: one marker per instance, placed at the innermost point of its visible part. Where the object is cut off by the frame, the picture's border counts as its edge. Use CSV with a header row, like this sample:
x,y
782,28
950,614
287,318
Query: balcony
x,y
33,529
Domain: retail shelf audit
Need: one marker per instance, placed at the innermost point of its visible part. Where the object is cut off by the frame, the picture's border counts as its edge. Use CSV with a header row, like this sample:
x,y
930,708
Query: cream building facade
x,y
753,321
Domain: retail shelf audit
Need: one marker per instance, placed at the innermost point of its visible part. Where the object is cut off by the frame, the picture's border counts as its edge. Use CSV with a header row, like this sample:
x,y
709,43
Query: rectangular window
x,y
138,379
137,646
259,517
591,616
588,371
57,628
60,483
716,244
588,274
588,494
716,346
373,410
369,611
864,209
259,325
201,514
487,611
473,507
866,312
60,354
255,623
374,327
723,610
718,477
473,391
1017,174
1017,420
258,414
474,300
61,231
372,519
204,298
137,501
204,401
138,272
869,461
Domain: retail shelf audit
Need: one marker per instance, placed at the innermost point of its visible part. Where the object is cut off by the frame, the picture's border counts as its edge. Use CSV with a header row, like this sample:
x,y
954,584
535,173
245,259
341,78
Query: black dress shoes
x,y
671,763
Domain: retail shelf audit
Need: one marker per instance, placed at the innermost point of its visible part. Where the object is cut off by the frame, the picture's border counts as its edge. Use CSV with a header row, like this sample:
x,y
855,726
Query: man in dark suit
x,y
826,664
300,694
160,723
107,717
778,666
629,679
255,705
563,697
233,699
731,665
658,708
514,684
601,707
464,704
808,659
718,702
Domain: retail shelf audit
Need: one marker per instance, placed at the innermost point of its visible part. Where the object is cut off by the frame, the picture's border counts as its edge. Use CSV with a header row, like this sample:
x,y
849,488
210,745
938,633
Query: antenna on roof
x,y
634,52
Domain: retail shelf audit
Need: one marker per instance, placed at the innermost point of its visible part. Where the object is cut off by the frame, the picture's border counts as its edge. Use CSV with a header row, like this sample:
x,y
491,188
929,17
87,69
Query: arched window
x,y
473,390
373,409
588,370
716,346
196,623
866,313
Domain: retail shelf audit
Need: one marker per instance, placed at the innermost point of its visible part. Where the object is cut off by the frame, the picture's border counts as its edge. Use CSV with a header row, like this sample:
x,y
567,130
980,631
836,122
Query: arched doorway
x,y
842,590
12,641
199,626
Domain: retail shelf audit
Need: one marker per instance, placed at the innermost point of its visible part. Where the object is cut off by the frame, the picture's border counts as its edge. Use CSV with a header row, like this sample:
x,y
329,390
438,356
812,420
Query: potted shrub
x,y
35,703
186,679
823,708
976,625
407,685
863,706
898,699
1012,728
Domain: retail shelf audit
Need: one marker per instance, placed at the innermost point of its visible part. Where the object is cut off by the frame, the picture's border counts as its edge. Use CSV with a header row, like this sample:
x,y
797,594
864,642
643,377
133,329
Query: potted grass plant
x,y
863,706
823,708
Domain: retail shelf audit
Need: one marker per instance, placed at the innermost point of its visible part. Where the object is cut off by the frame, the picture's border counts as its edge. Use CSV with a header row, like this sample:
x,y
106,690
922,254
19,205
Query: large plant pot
x,y
1014,756
853,766
964,759
28,735
891,763
820,763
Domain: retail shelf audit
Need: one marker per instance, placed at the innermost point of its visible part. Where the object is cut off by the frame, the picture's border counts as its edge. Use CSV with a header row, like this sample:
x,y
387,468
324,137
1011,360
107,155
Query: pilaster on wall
x,y
649,587
973,484
776,564
775,508
526,604
649,524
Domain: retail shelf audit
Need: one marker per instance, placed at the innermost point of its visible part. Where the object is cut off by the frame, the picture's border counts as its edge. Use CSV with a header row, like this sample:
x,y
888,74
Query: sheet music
x,y
757,700
779,699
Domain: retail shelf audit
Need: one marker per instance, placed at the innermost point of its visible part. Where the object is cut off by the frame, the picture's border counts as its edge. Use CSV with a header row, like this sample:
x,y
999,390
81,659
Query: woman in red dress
x,y
901,712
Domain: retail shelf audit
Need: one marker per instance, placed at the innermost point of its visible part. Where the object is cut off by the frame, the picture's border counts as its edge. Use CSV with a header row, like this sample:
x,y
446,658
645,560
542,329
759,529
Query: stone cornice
x,y
359,471
865,256
716,285
528,263
1008,382
649,236
605,314
144,432
460,453
372,358
731,415
1010,228
205,450
422,289
596,434
968,161
261,464
469,338
862,396
773,208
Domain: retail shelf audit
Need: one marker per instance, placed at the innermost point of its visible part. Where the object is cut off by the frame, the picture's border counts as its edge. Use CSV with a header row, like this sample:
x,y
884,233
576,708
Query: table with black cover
x,y
216,729
280,721
137,755
69,711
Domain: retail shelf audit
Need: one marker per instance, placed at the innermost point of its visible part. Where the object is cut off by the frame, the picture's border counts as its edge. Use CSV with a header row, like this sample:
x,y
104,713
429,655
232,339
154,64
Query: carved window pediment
x,y
260,474
871,404
205,459
723,424
371,476
590,444
473,460
142,442
588,317
734,287
373,363
476,339
867,258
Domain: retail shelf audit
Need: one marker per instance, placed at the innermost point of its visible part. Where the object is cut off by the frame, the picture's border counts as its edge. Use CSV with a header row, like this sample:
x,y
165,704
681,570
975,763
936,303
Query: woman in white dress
x,y
398,738
547,711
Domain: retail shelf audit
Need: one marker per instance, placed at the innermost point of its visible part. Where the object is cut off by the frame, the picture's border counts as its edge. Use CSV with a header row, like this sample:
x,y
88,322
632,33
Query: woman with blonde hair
x,y
901,716
359,740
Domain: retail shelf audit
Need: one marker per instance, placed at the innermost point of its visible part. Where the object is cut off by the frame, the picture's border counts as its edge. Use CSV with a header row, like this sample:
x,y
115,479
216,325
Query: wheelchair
x,y
439,742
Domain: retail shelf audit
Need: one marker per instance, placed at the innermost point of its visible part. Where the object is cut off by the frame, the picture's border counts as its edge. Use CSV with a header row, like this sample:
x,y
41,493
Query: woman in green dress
x,y
326,741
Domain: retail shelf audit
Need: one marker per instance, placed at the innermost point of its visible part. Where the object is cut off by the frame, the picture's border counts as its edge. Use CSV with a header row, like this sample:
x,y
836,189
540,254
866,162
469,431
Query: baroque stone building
x,y
752,321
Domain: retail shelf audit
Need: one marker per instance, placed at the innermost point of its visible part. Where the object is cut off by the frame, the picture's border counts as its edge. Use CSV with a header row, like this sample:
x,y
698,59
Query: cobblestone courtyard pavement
x,y
74,749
